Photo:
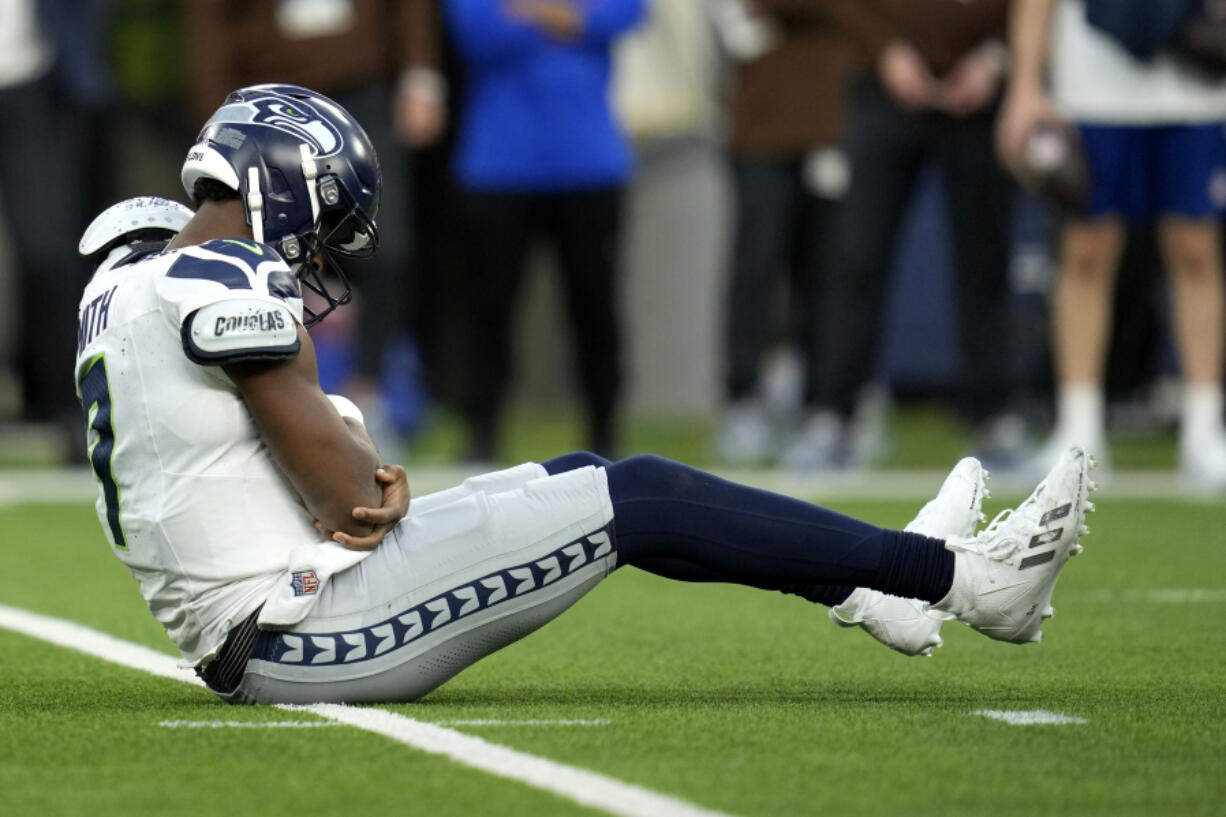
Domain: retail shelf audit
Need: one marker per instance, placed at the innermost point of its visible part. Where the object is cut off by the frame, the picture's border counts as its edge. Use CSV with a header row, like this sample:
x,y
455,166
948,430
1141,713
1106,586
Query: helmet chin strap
x,y
255,204
309,172
296,249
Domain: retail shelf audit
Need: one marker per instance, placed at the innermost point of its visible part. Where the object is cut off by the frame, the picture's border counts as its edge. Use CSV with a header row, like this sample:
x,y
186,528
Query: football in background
x,y
1054,166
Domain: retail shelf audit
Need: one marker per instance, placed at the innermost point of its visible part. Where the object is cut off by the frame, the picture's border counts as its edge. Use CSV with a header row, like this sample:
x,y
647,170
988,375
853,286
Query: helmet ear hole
x,y
277,184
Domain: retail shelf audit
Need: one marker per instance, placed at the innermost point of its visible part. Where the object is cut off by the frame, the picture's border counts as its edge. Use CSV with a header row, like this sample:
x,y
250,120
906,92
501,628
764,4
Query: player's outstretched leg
x,y
903,624
1004,577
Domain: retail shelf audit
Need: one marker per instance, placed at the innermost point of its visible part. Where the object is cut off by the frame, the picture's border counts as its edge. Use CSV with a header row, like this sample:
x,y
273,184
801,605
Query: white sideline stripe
x,y
530,722
1028,717
582,786
245,724
1160,595
309,724
92,642
578,785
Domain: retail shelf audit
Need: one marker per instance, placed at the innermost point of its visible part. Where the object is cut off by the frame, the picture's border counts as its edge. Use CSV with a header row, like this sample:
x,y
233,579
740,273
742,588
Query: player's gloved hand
x,y
395,505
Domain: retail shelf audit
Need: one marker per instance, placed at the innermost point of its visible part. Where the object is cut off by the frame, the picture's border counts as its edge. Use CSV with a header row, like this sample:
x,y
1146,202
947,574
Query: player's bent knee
x,y
649,475
574,461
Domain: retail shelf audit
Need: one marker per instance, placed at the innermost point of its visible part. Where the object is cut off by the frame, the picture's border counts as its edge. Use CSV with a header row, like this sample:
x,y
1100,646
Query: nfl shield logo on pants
x,y
304,583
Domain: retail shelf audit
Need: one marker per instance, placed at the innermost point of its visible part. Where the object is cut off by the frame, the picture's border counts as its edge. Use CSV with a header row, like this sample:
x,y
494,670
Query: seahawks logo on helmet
x,y
293,117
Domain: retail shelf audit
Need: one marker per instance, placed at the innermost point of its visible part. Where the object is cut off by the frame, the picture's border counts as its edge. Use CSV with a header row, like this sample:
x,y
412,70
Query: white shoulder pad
x,y
225,270
131,216
239,329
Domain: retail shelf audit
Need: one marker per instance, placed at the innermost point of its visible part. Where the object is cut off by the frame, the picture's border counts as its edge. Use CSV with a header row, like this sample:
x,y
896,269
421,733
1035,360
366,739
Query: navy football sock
x,y
686,524
573,461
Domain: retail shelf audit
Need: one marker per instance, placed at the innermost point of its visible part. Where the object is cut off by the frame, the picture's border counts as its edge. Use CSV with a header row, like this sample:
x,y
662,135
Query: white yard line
x,y
308,724
1028,717
1158,595
92,642
578,785
245,724
530,722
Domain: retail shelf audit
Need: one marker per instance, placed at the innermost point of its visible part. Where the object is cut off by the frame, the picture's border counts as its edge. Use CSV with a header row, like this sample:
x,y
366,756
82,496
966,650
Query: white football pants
x,y
468,571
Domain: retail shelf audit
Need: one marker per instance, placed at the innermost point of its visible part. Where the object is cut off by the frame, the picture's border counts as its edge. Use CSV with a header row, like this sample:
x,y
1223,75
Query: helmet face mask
x,y
346,229
306,173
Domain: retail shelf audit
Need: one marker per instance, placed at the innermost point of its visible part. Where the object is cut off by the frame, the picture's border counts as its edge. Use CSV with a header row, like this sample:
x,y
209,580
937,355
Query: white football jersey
x,y
1095,80
189,497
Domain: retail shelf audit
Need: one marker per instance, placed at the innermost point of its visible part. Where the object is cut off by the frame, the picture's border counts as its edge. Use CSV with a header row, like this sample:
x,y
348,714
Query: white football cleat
x,y
1004,577
958,506
902,624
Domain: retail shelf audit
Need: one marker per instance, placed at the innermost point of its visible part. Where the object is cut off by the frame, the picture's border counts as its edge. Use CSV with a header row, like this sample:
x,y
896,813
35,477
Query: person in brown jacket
x,y
378,59
929,92
789,62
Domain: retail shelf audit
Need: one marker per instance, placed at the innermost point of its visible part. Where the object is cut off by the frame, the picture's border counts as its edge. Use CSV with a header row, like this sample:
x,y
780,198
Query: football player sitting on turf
x,y
285,560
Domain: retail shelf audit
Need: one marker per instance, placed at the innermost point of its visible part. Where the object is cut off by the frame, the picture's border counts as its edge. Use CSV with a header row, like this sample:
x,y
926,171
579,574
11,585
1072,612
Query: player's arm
x,y
395,486
329,460
1026,104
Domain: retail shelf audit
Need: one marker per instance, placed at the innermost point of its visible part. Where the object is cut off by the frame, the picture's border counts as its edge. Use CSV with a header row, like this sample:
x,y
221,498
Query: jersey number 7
x,y
96,400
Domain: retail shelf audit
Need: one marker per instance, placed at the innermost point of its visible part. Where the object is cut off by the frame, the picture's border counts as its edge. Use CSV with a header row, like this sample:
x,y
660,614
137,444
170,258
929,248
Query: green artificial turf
x,y
741,701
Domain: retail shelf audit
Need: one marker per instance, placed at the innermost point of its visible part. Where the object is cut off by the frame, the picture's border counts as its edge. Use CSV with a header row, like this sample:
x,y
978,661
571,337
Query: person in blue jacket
x,y
539,151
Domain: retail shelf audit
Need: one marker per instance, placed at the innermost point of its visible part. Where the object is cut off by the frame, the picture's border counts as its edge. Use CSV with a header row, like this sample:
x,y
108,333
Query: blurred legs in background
x,y
1193,252
1081,304
585,228
1174,168
888,147
780,224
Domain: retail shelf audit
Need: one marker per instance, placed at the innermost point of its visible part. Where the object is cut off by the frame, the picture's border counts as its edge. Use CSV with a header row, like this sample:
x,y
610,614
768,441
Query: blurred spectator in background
x,y
539,150
54,85
1151,127
664,79
789,63
378,59
930,91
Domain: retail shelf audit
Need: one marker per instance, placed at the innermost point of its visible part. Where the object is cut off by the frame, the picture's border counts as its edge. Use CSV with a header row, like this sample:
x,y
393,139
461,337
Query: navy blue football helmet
x,y
307,175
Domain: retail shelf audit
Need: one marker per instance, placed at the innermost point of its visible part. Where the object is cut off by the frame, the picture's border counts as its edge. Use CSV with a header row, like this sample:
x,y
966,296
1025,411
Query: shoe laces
x,y
1001,518
987,544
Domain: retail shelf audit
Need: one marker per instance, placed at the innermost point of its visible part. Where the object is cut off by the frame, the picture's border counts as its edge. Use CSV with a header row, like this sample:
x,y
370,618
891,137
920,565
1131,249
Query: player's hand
x,y
419,116
905,76
395,505
1025,108
970,85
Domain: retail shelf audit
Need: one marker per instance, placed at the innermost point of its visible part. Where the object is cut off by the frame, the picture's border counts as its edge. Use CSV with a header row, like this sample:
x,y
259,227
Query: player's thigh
x,y
454,584
1191,161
